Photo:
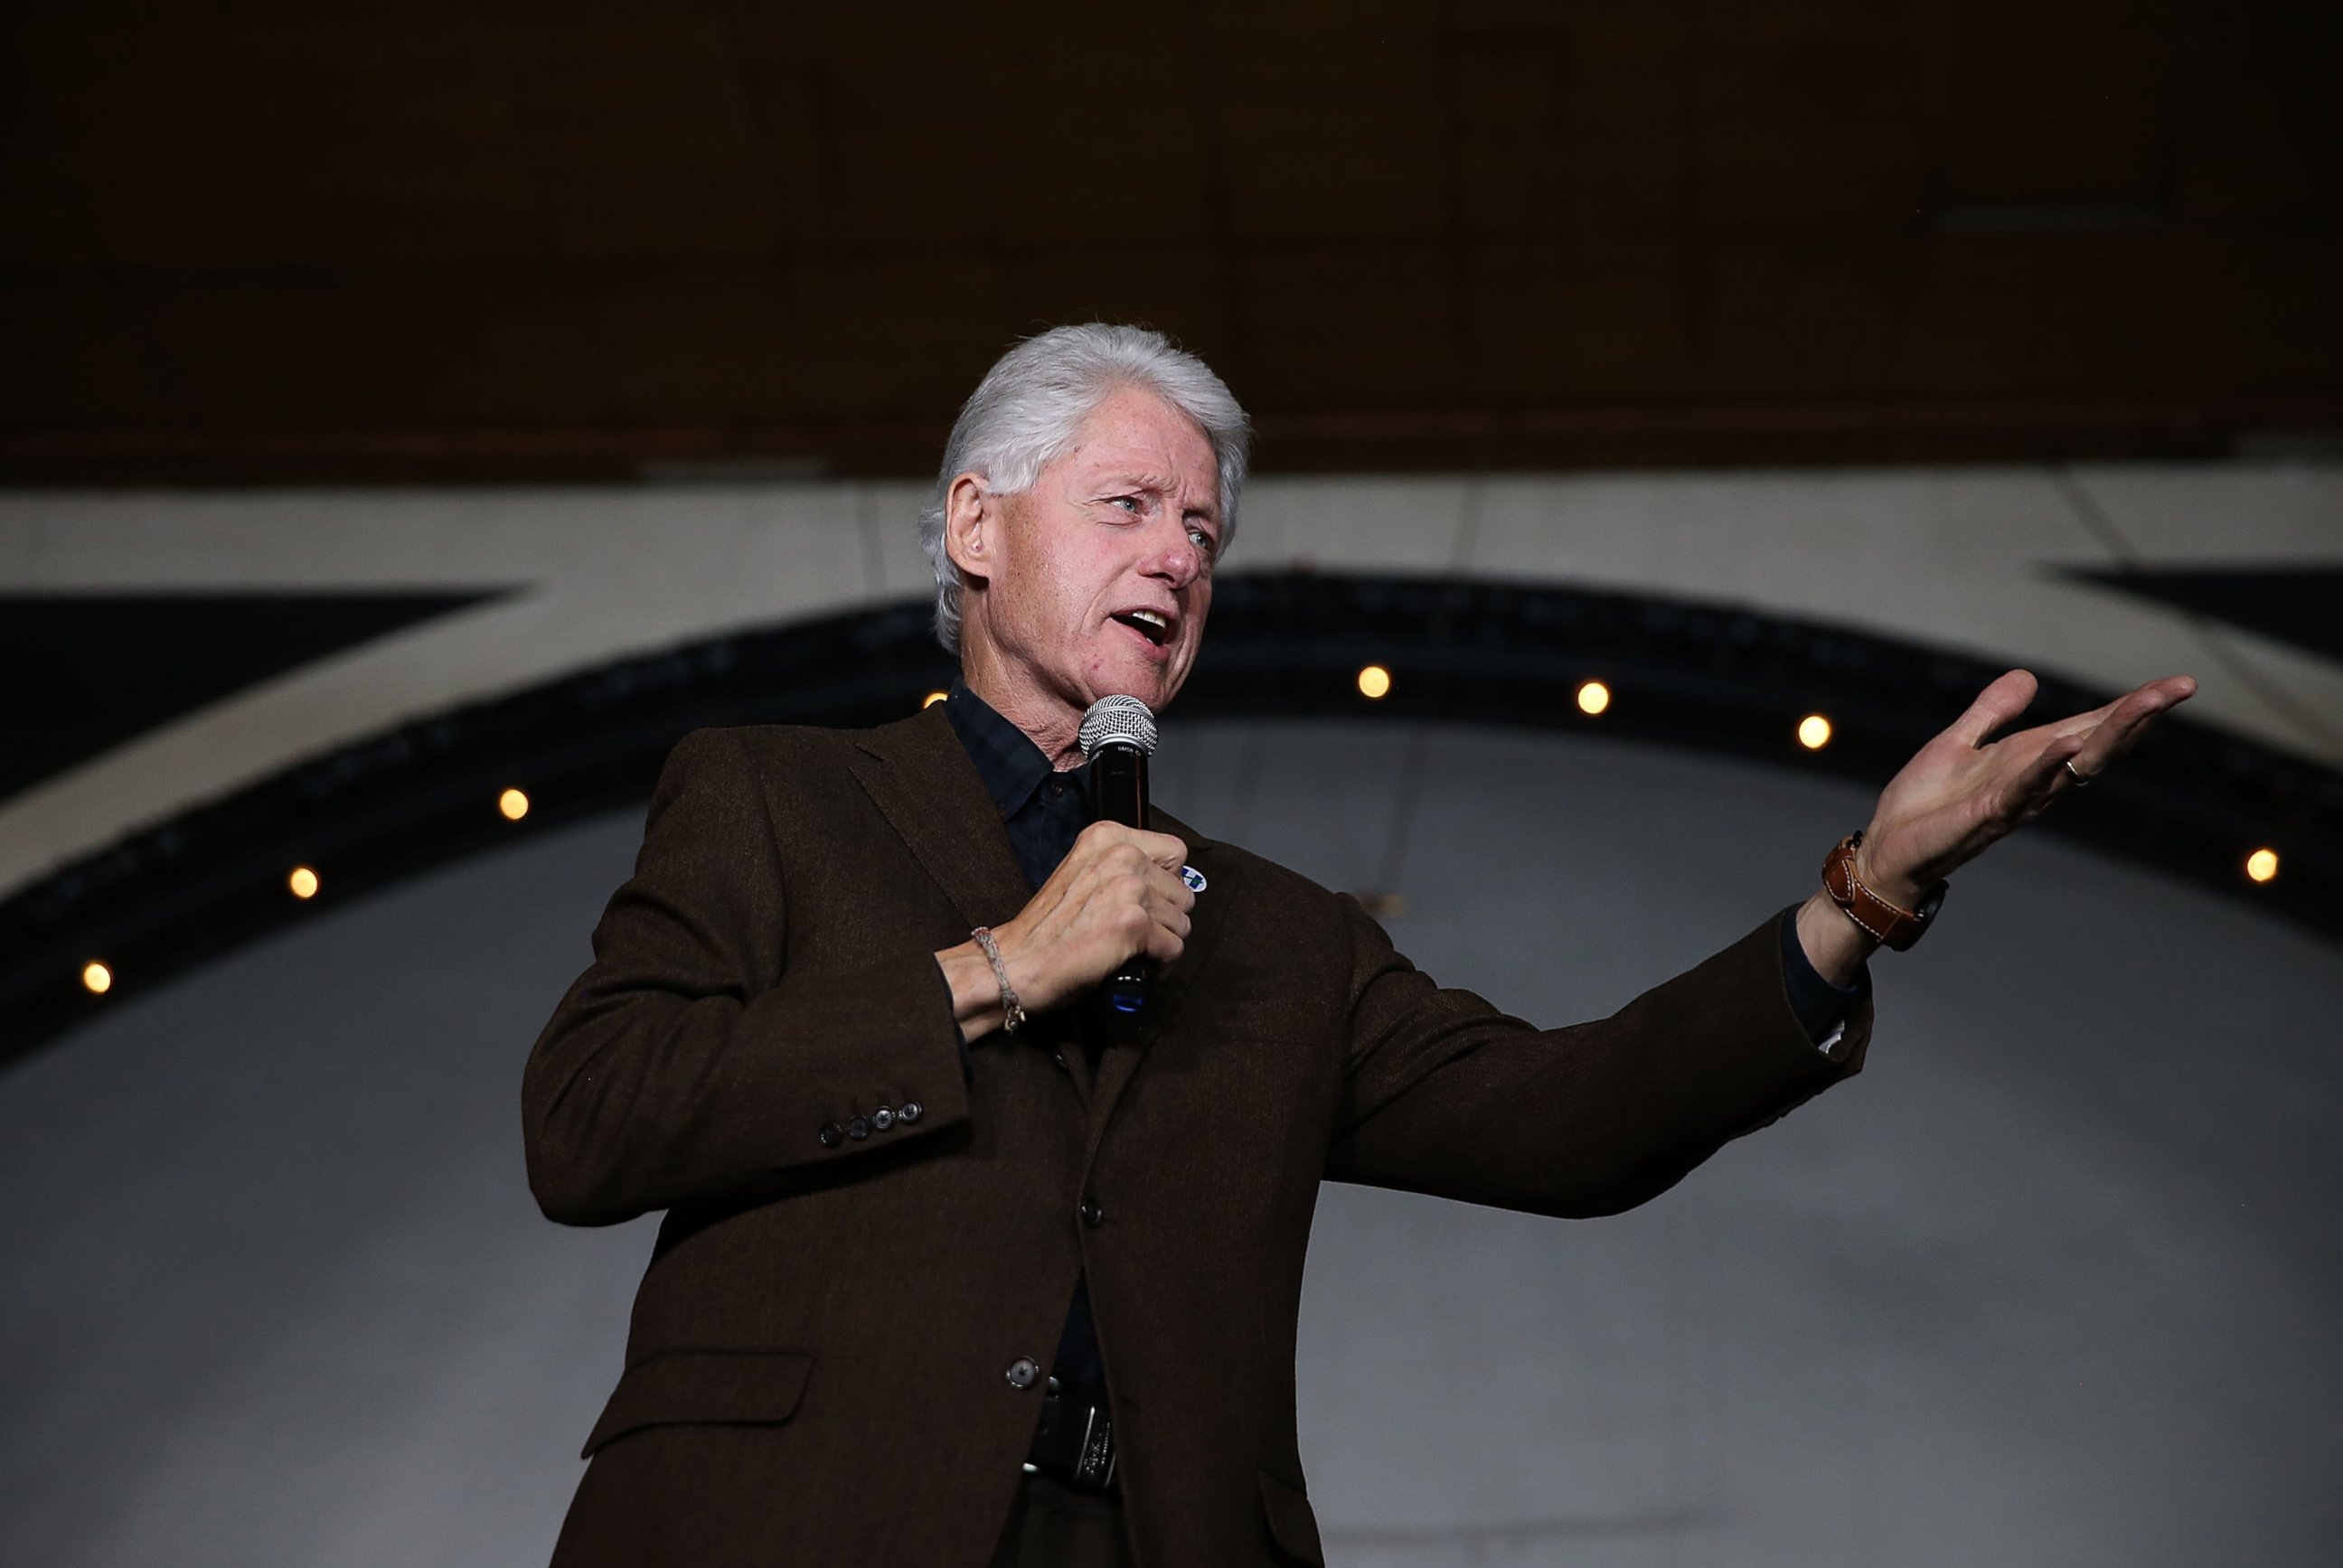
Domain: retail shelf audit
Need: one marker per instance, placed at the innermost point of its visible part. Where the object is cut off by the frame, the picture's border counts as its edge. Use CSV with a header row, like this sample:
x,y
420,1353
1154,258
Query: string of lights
x,y
2210,807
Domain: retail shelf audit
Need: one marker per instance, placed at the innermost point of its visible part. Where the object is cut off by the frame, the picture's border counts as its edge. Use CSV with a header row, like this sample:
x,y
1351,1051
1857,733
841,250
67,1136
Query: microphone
x,y
1118,735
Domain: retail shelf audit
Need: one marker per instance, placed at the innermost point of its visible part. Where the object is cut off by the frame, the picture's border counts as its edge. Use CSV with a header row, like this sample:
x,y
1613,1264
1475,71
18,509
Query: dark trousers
x,y
1053,1526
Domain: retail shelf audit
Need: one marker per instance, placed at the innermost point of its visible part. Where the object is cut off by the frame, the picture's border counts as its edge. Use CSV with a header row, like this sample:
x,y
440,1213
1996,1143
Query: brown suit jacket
x,y
816,1368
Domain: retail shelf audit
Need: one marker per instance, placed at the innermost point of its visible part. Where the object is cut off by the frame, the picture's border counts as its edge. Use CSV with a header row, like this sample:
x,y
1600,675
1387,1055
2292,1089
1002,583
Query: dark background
x,y
280,241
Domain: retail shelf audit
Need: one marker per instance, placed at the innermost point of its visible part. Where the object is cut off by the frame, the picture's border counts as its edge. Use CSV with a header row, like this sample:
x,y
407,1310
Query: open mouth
x,y
1150,624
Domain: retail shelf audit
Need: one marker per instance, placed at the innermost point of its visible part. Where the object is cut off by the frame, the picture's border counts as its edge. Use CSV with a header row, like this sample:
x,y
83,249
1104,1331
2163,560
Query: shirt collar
x,y
1006,759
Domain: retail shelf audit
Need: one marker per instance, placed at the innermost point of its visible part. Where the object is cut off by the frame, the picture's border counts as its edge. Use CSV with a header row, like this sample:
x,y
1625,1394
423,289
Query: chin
x,y
1153,687
1123,672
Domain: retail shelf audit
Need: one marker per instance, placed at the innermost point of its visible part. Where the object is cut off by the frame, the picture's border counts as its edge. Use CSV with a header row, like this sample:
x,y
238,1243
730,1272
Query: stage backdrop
x,y
2056,1281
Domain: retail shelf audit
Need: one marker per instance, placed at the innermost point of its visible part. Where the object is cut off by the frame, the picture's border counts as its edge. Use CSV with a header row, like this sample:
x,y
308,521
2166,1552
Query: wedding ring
x,y
2082,779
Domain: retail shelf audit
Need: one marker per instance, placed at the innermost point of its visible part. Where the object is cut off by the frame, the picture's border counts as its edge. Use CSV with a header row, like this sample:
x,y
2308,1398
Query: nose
x,y
1177,561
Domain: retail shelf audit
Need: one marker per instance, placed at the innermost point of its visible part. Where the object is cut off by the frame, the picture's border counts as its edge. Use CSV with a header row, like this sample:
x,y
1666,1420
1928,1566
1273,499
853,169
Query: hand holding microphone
x,y
1115,906
1116,897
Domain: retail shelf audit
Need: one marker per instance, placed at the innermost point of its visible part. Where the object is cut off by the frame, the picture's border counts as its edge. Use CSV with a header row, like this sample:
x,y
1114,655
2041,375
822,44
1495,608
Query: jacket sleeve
x,y
1444,1094
687,1063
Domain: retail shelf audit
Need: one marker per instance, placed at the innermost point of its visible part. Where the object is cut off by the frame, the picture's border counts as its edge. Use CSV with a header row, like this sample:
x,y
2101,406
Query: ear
x,y
971,528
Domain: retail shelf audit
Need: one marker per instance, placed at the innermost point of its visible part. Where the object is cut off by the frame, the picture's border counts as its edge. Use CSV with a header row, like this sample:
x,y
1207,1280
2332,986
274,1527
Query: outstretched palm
x,y
1965,789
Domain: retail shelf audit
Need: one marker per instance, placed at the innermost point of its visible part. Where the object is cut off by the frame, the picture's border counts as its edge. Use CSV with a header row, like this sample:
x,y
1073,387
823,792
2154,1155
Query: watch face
x,y
1932,903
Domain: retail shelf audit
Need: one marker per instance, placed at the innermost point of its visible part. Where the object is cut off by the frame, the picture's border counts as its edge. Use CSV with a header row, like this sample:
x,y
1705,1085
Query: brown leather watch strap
x,y
1890,925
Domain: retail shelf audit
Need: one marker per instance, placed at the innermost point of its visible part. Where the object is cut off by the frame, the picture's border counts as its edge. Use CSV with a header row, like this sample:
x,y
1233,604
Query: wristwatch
x,y
1891,925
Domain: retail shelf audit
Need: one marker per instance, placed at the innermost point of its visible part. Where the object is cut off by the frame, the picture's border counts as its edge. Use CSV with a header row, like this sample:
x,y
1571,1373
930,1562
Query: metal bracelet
x,y
1012,1013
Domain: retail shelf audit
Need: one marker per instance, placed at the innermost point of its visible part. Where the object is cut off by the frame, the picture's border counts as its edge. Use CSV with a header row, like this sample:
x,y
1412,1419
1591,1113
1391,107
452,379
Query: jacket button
x,y
1092,1215
1023,1371
912,1111
859,1127
883,1117
1059,1058
829,1135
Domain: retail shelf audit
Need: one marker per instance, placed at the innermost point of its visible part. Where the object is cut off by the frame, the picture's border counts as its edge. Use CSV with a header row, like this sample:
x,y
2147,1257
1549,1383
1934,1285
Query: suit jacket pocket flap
x,y
677,1387
1292,1524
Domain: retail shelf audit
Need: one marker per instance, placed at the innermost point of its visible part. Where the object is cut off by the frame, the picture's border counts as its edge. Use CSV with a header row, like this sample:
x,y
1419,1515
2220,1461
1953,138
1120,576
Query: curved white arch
x,y
1971,560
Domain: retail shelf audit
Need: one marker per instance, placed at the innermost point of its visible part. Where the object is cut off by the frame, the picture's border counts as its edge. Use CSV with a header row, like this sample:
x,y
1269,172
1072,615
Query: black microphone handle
x,y
1119,794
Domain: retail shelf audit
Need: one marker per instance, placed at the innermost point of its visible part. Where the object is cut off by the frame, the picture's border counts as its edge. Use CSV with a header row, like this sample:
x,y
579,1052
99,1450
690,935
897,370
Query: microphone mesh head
x,y
1118,720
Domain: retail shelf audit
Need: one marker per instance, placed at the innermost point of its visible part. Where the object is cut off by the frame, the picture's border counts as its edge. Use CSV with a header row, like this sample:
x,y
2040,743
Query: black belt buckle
x,y
1074,1444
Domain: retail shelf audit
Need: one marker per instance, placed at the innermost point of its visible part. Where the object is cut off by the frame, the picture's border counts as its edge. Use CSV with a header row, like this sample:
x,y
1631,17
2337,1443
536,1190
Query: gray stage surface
x,y
2057,1280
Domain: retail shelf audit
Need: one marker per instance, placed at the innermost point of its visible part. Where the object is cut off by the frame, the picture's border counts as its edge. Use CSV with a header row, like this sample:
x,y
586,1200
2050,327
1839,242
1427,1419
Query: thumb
x,y
1995,706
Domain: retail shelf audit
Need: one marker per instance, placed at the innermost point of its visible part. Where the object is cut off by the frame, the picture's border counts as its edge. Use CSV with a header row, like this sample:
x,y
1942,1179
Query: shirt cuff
x,y
1821,1006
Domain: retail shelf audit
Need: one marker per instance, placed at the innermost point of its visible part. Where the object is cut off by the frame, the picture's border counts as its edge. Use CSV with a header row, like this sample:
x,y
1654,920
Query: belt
x,y
1074,1442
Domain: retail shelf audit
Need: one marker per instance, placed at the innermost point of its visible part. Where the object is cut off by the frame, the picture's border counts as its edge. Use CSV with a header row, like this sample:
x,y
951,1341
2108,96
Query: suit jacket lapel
x,y
923,783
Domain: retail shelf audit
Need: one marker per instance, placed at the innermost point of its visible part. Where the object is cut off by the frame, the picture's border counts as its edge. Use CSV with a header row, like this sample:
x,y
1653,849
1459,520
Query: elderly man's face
x,y
1097,580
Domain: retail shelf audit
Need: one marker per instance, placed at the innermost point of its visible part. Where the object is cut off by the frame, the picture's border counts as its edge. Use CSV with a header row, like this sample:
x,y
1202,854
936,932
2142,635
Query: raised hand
x,y
1967,788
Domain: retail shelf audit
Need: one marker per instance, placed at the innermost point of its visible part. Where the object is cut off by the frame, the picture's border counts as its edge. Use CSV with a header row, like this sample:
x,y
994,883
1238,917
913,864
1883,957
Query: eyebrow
x,y
1127,481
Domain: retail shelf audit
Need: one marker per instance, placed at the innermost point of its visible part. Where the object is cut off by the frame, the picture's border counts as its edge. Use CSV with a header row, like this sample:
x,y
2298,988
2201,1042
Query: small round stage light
x,y
931,698
2262,865
1593,697
303,882
1374,681
97,979
513,804
1814,732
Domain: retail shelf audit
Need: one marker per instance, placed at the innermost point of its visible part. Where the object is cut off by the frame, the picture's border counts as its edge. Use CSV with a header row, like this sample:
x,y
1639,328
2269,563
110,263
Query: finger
x,y
2040,781
2130,712
2080,723
2153,696
1995,706
1115,857
1160,848
2129,719
1172,886
1163,905
1101,837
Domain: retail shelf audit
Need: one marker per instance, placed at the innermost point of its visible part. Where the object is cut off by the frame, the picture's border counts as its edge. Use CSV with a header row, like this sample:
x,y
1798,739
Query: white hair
x,y
1030,404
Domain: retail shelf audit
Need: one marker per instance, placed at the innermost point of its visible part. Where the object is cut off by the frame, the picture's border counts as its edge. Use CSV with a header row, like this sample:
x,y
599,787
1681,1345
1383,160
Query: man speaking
x,y
960,1266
